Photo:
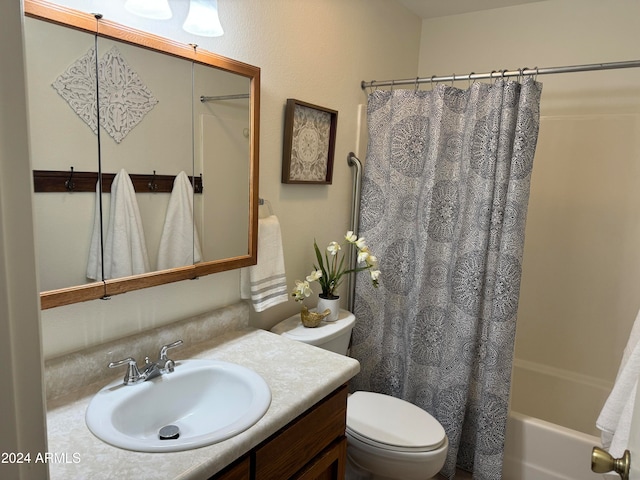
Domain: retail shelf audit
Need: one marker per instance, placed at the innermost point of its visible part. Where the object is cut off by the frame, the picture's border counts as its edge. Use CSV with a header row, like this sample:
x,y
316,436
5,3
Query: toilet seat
x,y
392,424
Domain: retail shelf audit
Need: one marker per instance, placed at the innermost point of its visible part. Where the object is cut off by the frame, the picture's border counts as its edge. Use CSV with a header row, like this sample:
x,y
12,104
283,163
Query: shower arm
x,y
354,161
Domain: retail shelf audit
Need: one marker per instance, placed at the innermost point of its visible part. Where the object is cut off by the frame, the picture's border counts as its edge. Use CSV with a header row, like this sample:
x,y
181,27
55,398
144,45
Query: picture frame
x,y
309,143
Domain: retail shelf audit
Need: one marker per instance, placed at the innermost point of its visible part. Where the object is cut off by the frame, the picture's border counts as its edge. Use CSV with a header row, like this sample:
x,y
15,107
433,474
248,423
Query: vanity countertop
x,y
299,376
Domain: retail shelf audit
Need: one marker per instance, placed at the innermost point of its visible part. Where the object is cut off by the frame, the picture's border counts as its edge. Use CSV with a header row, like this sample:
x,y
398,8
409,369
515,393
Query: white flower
x,y
315,275
333,248
301,291
363,255
329,272
372,260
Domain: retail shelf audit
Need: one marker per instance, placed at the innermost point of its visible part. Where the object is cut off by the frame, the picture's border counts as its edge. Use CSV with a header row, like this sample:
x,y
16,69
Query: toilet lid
x,y
392,423
292,328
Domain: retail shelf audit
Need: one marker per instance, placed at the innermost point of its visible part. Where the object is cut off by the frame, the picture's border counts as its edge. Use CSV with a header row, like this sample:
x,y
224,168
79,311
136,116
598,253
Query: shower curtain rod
x,y
204,98
503,73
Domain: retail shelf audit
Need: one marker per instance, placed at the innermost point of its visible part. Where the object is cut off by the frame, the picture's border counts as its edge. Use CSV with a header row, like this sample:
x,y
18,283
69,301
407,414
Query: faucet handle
x,y
163,350
133,374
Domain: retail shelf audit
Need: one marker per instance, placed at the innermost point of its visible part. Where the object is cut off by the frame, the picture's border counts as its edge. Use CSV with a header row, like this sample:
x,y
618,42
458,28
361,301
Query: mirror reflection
x,y
59,139
222,119
177,143
145,115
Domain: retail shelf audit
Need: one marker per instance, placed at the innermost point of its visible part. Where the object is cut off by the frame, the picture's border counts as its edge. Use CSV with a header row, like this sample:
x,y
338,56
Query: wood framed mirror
x,y
213,139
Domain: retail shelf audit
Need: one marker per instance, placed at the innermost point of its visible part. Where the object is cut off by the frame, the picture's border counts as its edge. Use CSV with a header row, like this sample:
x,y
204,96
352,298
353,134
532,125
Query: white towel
x,y
125,249
179,244
265,283
94,264
615,418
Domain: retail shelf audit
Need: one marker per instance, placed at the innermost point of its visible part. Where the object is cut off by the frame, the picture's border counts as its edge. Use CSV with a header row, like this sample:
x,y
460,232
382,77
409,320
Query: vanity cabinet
x,y
311,447
239,470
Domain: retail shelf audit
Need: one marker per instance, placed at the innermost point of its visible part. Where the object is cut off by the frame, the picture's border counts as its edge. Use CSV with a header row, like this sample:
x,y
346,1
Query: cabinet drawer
x,y
291,449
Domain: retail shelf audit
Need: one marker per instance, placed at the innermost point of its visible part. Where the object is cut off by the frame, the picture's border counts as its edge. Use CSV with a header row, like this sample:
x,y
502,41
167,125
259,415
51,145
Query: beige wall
x,y
21,399
318,52
581,269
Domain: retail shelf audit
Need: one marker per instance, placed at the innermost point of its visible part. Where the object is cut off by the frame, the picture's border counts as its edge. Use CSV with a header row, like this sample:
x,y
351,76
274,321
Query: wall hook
x,y
69,184
198,186
153,186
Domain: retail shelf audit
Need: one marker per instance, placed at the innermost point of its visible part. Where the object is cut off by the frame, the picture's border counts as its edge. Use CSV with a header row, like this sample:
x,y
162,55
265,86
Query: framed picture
x,y
309,143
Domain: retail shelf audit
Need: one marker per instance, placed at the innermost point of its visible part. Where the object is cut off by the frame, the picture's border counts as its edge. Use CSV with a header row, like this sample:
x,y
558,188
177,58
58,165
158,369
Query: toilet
x,y
387,438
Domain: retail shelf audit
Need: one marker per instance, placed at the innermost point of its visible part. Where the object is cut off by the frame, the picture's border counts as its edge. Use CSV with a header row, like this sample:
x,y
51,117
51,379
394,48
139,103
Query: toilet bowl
x,y
387,438
393,439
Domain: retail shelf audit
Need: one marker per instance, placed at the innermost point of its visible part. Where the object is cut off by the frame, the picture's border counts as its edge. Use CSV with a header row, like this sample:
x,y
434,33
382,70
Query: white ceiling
x,y
442,8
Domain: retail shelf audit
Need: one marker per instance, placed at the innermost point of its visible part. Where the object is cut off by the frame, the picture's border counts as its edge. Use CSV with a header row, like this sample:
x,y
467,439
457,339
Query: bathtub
x,y
539,450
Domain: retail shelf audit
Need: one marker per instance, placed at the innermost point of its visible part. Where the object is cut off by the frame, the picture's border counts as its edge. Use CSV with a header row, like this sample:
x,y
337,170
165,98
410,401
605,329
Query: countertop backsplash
x,y
75,370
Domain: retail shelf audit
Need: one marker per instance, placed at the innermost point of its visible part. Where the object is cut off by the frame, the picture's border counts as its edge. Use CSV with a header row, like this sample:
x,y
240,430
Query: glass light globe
x,y
203,19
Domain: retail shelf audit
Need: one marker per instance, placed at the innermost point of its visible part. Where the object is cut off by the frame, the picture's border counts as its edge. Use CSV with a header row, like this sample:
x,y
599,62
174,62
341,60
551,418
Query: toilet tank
x,y
332,336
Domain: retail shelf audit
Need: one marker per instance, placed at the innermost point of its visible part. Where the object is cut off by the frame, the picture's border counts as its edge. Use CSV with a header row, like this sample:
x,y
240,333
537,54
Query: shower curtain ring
x,y
471,83
536,77
491,75
417,86
393,82
453,79
432,77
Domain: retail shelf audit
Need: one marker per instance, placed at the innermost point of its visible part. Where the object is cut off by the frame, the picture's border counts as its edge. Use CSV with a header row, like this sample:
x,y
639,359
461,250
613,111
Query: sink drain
x,y
169,432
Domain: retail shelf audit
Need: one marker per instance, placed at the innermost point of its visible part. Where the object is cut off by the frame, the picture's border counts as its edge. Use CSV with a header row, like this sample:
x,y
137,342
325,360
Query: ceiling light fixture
x,y
155,9
203,19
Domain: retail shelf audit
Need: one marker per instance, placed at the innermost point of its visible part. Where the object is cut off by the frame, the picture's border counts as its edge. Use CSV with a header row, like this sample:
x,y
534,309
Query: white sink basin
x,y
208,400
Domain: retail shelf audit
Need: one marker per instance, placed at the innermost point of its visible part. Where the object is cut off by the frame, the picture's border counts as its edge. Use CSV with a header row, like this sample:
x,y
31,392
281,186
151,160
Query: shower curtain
x,y
443,206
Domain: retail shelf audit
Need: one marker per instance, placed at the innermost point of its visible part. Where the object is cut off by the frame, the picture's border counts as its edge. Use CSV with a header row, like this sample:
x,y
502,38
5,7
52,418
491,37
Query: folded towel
x,y
125,249
94,264
265,283
179,243
615,418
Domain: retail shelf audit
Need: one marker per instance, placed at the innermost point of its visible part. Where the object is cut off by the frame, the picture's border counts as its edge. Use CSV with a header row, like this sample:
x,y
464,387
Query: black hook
x,y
69,183
153,186
198,186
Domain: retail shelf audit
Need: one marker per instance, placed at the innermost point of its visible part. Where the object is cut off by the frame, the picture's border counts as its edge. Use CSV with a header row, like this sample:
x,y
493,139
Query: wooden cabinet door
x,y
289,451
329,465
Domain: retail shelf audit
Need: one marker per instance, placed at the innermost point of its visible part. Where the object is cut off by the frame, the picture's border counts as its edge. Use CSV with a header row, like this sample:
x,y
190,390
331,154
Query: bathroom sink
x,y
207,400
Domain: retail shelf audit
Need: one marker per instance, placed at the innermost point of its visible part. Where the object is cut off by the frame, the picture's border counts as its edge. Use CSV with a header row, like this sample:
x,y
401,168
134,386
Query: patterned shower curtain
x,y
444,202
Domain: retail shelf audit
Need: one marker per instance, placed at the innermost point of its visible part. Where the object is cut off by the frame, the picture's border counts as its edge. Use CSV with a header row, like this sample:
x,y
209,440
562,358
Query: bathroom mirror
x,y
214,140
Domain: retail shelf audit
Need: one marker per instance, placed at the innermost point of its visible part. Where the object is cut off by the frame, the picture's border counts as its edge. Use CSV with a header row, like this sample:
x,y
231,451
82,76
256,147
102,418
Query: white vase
x,y
332,304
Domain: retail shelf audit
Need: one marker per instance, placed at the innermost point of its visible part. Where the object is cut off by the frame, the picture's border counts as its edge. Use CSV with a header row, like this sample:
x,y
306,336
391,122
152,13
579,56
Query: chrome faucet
x,y
151,369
